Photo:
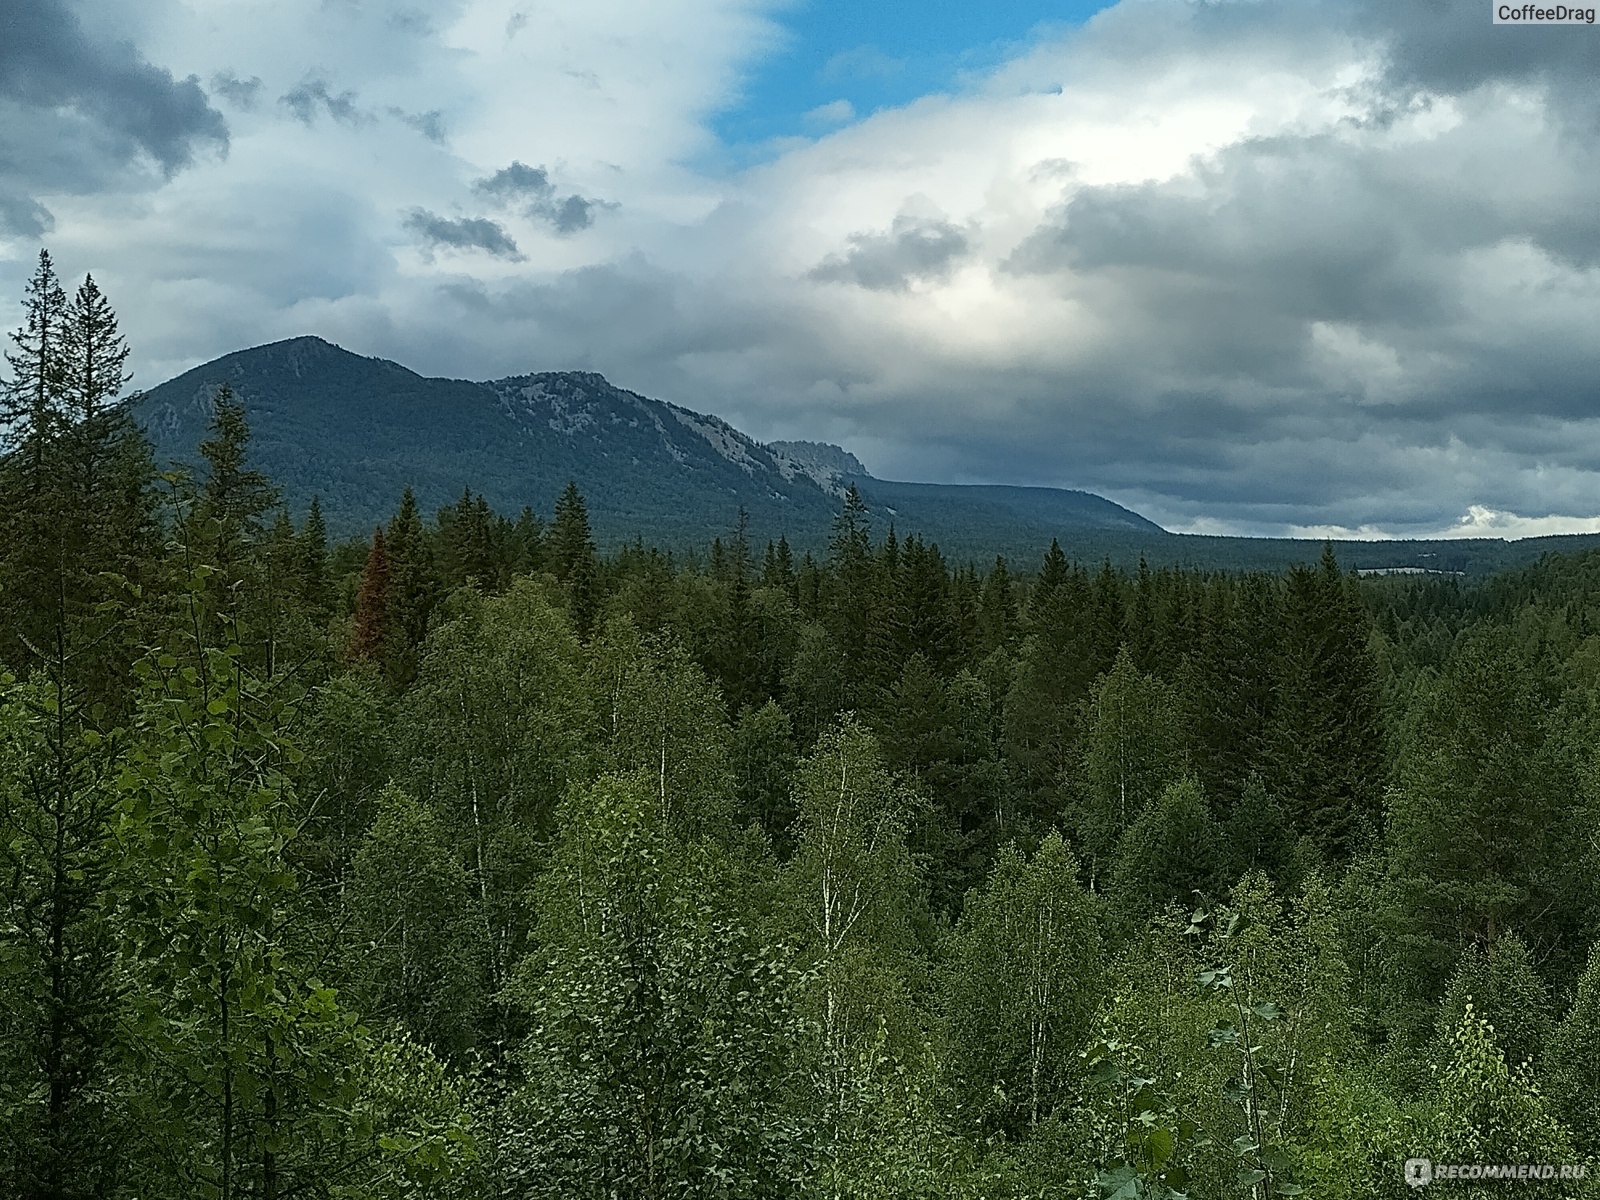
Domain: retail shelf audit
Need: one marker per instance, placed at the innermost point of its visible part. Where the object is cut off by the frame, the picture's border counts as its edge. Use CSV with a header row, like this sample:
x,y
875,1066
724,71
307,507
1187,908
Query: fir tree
x,y
1053,574
1325,745
998,616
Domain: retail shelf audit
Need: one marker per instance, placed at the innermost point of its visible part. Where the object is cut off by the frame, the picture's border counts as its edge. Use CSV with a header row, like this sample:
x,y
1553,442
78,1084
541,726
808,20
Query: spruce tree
x,y
850,595
998,616
1053,573
32,404
94,355
33,502
411,593
1325,748
572,556
315,588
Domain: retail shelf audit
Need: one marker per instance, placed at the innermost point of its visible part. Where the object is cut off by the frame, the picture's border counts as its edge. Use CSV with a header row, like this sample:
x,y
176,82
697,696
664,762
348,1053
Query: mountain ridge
x,y
356,429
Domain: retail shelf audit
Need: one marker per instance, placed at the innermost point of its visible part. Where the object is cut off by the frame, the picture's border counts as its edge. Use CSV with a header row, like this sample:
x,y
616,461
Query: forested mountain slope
x,y
357,431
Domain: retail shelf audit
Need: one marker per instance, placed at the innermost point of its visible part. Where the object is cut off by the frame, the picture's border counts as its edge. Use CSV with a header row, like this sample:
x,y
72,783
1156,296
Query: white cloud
x,y
835,112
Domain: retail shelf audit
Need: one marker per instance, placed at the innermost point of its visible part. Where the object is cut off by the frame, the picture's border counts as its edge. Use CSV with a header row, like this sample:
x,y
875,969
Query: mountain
x,y
356,431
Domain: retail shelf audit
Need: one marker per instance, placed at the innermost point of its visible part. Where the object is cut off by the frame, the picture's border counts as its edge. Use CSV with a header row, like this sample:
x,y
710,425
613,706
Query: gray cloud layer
x,y
912,251
1330,263
531,191
313,96
74,111
241,93
462,233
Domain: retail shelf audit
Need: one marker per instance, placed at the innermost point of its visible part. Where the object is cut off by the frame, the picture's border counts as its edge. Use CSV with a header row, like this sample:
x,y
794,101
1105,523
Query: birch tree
x,y
1023,980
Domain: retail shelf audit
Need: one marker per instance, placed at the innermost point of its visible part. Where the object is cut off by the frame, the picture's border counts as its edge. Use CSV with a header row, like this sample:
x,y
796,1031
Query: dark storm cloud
x,y
23,216
50,63
241,93
912,251
1241,272
461,233
313,96
1447,47
531,191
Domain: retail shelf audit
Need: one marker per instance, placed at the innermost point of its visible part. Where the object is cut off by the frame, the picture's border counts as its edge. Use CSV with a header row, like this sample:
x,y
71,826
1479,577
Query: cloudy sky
x,y
1258,267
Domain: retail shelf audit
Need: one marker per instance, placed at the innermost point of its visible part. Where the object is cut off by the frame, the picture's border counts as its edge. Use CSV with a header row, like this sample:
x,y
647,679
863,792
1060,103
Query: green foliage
x,y
1022,986
1132,751
493,733
238,1050
1137,1126
654,711
1471,823
661,1059
1488,1112
234,498
1572,1062
1256,835
659,873
764,762
1324,745
1504,989
850,899
59,1118
415,941
1170,853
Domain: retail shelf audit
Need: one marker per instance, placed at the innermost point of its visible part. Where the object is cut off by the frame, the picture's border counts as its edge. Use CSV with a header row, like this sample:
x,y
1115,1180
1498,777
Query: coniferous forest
x,y
467,862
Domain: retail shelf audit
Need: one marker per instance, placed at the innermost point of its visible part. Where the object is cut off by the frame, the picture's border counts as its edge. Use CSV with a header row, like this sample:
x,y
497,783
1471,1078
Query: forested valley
x,y
464,861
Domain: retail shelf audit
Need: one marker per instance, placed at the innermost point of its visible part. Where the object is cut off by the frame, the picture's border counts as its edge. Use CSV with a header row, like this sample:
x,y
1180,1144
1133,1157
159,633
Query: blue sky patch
x,y
845,60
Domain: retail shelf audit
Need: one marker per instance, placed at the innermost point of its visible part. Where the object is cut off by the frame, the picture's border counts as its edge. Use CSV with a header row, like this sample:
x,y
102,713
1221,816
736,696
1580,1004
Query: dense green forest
x,y
467,862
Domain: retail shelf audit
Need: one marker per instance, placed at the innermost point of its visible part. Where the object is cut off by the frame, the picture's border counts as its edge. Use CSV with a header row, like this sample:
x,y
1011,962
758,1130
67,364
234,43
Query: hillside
x,y
356,431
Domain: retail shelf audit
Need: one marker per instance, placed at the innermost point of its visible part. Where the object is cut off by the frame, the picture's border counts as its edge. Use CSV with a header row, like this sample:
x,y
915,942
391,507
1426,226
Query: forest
x,y
465,861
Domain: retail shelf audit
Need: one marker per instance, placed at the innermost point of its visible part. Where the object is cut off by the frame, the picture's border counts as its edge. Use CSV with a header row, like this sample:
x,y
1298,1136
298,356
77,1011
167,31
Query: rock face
x,y
824,462
356,431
